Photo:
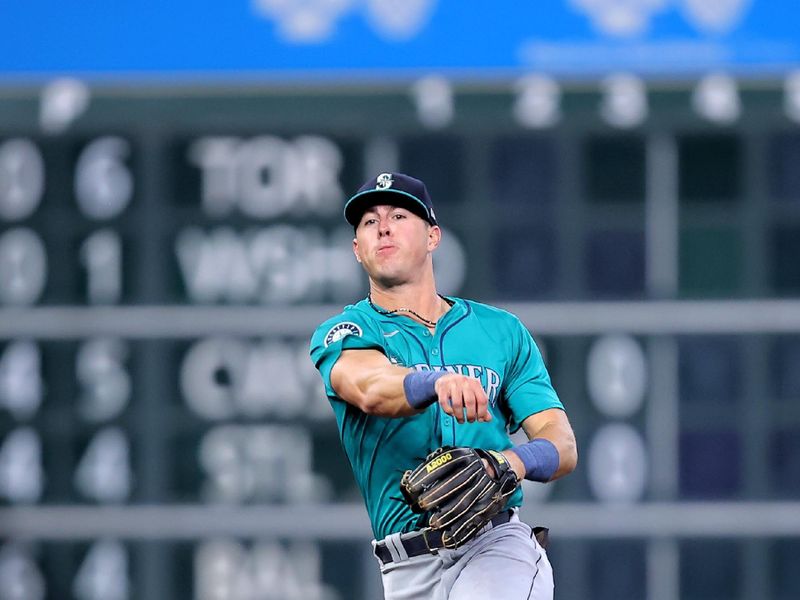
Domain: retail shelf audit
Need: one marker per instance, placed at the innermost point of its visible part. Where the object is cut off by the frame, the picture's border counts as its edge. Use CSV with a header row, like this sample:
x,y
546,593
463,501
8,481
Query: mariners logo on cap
x,y
341,330
383,181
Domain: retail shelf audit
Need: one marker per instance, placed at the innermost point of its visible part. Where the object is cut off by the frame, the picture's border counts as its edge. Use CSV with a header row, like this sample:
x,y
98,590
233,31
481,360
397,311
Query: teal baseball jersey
x,y
472,339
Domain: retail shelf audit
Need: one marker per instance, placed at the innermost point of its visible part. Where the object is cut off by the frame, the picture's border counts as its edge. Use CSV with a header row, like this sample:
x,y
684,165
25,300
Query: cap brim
x,y
358,204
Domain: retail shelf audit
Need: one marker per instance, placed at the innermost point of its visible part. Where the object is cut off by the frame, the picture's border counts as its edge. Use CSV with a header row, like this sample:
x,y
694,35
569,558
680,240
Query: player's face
x,y
393,244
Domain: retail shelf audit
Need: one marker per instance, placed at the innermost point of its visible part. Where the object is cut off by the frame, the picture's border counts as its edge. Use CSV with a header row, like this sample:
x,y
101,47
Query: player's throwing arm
x,y
366,379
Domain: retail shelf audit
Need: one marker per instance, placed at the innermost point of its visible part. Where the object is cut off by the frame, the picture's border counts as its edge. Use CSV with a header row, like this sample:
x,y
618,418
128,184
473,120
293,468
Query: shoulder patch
x,y
340,330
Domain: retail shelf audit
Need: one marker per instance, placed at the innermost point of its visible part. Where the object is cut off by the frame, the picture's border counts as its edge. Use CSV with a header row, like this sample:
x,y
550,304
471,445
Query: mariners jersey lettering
x,y
489,378
471,339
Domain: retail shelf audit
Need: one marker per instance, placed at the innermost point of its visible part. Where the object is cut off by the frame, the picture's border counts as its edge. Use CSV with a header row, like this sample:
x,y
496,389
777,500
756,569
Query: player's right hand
x,y
463,398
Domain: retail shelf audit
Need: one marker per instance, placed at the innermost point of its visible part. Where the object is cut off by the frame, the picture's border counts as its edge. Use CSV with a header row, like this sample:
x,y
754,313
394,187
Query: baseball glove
x,y
453,485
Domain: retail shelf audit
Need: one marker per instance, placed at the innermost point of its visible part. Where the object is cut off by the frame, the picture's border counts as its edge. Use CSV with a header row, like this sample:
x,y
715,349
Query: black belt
x,y
427,541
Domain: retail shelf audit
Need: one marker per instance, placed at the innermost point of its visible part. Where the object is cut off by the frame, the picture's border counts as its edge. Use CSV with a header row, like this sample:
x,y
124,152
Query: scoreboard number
x,y
101,255
104,472
21,379
104,380
20,577
21,473
103,575
103,182
23,267
22,178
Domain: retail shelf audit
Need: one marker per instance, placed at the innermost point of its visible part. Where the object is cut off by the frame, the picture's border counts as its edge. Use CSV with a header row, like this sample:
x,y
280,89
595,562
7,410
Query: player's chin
x,y
389,277
388,274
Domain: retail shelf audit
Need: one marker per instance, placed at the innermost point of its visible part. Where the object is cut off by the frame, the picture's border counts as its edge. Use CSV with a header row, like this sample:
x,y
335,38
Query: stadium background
x,y
622,175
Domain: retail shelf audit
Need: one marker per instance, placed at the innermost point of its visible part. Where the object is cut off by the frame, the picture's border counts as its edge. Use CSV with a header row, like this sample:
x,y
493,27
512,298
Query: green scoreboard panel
x,y
165,254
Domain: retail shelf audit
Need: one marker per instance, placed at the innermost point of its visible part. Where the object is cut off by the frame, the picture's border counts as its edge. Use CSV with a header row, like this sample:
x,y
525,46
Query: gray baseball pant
x,y
505,562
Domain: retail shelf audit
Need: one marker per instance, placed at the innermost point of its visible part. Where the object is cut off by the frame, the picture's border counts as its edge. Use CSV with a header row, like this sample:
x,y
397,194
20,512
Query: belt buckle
x,y
425,539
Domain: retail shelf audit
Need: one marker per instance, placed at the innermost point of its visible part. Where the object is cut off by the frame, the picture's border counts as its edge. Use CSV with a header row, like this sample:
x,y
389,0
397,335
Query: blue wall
x,y
251,39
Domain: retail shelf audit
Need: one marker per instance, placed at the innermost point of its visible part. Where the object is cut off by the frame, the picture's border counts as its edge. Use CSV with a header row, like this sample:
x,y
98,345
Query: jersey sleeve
x,y
346,331
527,386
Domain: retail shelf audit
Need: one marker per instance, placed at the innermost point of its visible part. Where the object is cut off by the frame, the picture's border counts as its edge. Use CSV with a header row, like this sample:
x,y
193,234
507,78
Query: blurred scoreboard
x,y
165,255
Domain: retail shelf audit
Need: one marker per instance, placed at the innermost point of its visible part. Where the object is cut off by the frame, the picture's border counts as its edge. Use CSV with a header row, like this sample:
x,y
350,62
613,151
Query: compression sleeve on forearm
x,y
420,388
540,457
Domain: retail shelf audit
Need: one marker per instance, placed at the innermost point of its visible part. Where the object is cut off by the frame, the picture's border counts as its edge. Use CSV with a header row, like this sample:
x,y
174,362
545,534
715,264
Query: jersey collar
x,y
457,309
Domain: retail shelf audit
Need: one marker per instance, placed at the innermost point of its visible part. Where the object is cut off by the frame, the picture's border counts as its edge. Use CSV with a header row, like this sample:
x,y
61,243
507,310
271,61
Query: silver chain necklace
x,y
427,322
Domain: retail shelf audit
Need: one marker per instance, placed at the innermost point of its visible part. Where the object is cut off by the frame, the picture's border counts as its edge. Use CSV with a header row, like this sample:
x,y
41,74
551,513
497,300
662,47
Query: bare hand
x,y
459,394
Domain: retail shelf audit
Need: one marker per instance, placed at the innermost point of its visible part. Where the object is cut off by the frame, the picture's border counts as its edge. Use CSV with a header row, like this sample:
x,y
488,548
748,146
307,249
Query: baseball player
x,y
426,389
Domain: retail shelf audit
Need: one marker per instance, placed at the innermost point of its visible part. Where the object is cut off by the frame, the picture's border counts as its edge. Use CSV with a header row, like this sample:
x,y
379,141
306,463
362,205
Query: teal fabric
x,y
472,339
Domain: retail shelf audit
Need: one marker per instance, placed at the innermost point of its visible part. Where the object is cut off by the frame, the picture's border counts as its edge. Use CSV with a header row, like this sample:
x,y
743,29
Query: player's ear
x,y
355,249
434,237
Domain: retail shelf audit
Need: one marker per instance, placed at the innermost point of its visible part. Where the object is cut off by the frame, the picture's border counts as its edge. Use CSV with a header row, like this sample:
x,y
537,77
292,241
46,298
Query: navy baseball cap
x,y
395,189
